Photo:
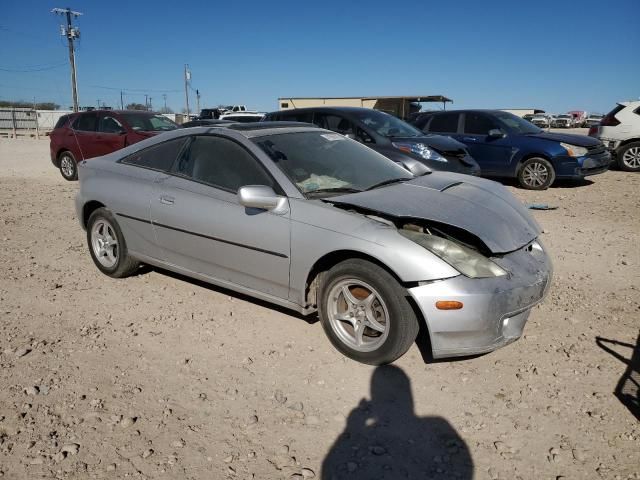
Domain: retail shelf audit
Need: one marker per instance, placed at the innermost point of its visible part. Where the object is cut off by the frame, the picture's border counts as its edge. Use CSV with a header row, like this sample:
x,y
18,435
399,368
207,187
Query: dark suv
x,y
506,145
84,135
388,135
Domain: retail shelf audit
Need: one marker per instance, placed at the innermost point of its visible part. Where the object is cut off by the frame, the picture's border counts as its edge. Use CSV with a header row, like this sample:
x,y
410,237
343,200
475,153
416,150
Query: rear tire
x,y
629,157
107,245
68,166
536,174
365,312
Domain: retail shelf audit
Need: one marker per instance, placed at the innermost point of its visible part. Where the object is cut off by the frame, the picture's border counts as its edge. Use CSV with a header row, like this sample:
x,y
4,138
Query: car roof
x,y
327,109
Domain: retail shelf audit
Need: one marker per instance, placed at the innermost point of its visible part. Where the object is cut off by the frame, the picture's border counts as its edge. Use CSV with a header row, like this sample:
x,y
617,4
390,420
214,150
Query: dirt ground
x,y
160,377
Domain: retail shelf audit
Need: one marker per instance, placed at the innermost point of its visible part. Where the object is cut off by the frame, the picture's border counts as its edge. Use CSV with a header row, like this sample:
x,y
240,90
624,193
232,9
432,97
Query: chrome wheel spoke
x,y
358,315
104,243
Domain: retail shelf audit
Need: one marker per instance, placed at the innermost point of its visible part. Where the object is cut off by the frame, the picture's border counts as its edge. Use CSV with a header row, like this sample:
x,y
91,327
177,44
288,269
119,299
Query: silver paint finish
x,y
207,233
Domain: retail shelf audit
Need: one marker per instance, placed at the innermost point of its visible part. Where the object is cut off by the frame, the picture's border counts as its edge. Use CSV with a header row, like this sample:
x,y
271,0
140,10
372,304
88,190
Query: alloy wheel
x,y
535,174
631,158
104,243
66,166
358,315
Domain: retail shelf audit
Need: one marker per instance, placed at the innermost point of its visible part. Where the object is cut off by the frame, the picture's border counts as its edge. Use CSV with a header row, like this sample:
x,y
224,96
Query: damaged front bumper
x,y
494,311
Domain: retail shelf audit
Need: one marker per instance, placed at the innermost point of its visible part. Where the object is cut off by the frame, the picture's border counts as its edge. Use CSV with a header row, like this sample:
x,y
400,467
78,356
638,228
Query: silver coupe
x,y
313,221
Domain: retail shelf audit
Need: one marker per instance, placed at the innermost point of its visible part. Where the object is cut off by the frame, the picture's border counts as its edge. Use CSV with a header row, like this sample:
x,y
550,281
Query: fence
x,y
18,121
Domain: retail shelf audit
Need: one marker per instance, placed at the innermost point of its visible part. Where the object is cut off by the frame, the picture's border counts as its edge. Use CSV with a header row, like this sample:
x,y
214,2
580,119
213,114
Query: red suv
x,y
84,135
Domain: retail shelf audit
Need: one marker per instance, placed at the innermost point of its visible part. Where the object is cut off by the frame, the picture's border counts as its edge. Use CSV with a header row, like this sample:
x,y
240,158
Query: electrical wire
x,y
34,68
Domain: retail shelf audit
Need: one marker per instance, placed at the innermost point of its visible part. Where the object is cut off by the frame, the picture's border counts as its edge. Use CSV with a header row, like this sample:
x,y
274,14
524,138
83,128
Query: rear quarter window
x,y
158,157
62,121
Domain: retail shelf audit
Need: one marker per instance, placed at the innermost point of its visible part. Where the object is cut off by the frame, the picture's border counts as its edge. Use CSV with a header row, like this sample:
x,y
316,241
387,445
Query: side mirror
x,y
262,197
496,133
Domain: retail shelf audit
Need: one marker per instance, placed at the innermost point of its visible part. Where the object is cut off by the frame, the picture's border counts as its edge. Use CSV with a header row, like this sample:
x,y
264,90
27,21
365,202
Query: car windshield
x,y
322,164
387,125
516,124
148,122
564,116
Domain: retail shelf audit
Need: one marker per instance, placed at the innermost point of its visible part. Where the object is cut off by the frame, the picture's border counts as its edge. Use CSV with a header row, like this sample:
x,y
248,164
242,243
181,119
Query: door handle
x,y
167,200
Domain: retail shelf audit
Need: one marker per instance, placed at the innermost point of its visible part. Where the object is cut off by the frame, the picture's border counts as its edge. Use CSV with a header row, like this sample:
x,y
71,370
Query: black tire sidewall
x,y
73,161
546,163
403,324
621,153
116,270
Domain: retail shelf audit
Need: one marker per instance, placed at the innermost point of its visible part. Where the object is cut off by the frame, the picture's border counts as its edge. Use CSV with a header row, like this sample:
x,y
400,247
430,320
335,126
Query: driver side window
x,y
109,124
222,163
479,124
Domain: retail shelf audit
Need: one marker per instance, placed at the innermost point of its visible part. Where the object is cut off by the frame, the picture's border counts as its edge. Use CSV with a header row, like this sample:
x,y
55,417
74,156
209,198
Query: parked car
x,y
85,135
242,117
579,117
619,130
505,145
593,120
541,120
528,117
310,220
563,121
388,135
205,122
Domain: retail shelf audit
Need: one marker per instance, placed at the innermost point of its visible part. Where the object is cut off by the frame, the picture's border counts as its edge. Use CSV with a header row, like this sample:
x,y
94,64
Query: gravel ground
x,y
160,377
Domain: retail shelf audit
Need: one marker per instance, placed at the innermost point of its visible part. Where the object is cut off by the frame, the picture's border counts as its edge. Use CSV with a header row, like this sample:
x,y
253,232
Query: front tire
x,y
68,166
536,174
365,312
629,157
107,245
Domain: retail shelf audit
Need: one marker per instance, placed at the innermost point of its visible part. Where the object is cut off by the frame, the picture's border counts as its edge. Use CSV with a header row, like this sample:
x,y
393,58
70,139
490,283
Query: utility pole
x,y
187,77
164,97
121,101
150,104
146,101
72,34
198,101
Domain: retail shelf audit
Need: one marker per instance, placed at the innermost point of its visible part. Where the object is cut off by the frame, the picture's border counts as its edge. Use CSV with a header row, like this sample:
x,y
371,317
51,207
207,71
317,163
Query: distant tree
x,y
165,110
23,104
136,106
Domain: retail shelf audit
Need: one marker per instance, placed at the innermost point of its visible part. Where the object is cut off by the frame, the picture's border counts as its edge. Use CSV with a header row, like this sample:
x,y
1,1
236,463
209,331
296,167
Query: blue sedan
x,y
505,145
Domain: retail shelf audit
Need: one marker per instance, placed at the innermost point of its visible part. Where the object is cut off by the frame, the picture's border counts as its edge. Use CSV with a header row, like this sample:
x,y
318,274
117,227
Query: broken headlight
x,y
467,261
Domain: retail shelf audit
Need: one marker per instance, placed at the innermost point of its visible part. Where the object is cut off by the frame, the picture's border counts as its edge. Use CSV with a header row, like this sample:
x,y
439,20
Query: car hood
x,y
440,143
481,207
579,140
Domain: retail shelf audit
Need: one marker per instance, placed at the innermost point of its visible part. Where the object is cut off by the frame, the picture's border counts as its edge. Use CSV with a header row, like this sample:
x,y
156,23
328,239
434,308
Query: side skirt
x,y
223,283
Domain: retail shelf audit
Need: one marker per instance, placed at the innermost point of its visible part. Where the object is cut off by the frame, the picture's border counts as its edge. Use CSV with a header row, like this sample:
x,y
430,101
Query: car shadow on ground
x,y
512,182
628,388
310,319
384,439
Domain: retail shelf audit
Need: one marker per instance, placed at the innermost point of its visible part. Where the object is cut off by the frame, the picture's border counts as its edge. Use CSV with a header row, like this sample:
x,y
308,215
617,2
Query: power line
x,y
33,68
72,34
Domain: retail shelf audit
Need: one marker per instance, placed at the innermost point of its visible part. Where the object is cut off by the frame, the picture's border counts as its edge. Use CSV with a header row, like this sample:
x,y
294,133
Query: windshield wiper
x,y
387,182
334,190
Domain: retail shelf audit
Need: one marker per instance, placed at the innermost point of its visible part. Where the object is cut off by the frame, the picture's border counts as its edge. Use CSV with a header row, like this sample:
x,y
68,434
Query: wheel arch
x,y
330,259
626,142
529,155
88,208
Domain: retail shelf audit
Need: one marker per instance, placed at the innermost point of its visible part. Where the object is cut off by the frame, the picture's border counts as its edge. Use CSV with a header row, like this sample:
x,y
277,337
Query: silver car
x,y
313,221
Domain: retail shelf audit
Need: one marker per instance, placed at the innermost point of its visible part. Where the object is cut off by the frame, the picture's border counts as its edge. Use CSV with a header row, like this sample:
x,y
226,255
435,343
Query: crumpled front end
x,y
494,310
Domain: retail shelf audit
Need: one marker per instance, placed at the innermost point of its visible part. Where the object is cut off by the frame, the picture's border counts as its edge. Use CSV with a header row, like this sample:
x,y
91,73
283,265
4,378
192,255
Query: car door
x,y
200,225
138,174
84,132
493,153
111,135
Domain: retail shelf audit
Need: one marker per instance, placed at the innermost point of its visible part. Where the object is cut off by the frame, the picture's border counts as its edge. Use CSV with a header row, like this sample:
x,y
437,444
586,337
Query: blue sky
x,y
557,55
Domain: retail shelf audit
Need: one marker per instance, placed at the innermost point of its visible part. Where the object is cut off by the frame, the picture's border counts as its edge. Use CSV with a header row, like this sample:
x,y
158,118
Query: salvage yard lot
x,y
157,376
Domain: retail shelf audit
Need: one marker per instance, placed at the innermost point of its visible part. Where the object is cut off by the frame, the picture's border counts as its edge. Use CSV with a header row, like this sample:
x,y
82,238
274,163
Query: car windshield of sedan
x,y
322,164
148,122
387,125
518,125
565,116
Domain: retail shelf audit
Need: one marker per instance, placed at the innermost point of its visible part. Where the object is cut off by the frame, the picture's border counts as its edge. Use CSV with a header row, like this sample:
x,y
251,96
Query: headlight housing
x,y
421,150
574,150
465,260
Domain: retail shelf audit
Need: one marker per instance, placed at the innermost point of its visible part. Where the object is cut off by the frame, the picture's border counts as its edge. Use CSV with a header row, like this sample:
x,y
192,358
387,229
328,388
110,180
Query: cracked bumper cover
x,y
495,309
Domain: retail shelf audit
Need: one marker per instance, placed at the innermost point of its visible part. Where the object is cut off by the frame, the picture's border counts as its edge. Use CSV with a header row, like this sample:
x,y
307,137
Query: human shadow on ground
x,y
628,388
384,439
